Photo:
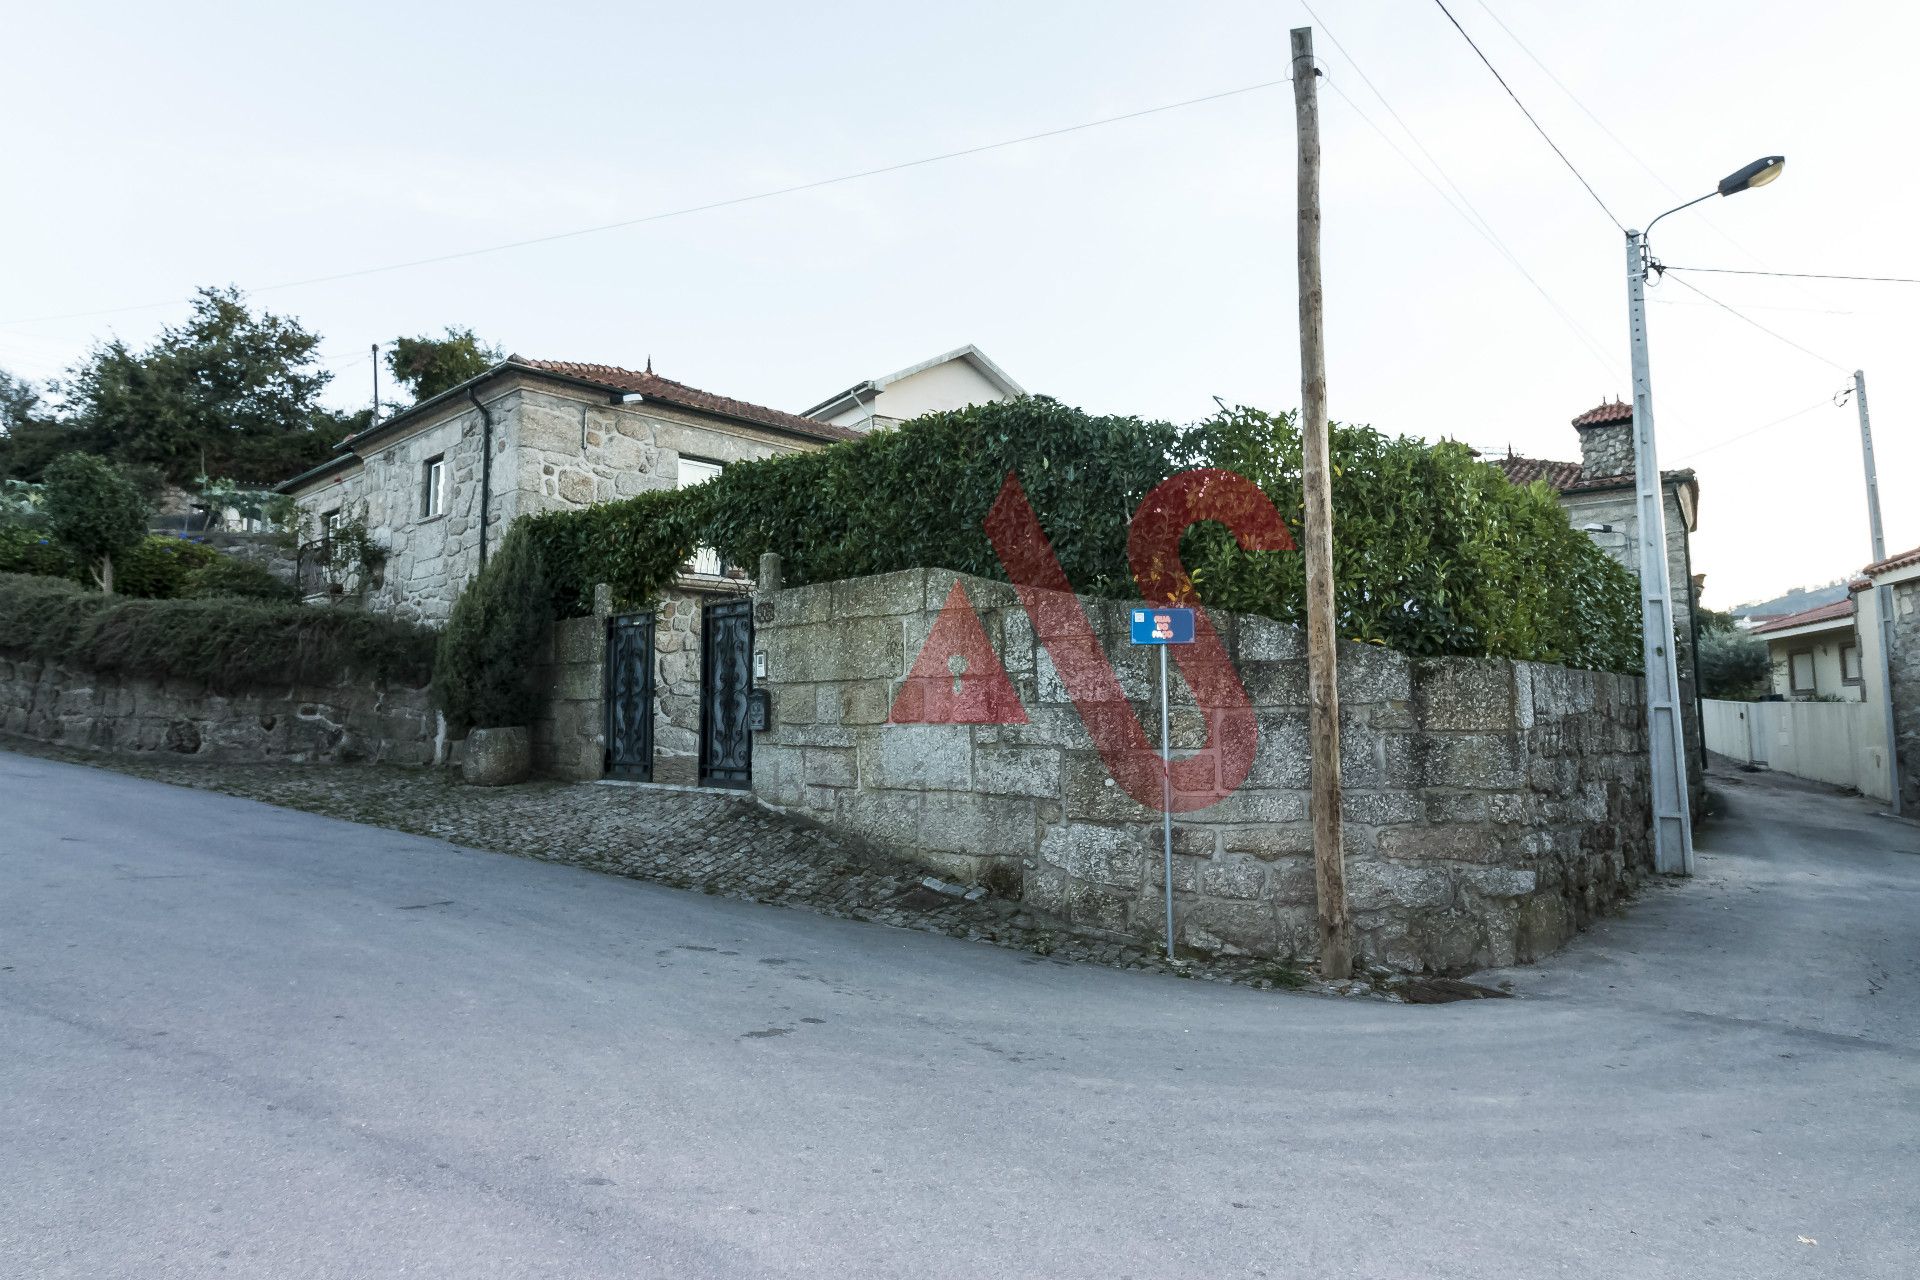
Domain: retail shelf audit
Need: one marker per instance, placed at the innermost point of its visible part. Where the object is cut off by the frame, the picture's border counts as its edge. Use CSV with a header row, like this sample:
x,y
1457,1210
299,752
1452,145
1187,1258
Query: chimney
x,y
1606,440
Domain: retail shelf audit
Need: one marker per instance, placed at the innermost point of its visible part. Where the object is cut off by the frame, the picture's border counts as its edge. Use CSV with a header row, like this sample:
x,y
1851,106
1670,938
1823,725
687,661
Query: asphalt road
x,y
237,1040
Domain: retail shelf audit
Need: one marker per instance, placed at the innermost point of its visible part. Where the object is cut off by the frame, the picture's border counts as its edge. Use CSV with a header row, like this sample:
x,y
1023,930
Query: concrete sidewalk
x,y
241,1040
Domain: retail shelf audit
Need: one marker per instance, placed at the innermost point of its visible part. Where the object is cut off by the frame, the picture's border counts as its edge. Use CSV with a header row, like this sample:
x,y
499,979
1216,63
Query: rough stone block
x,y
1265,640
827,767
936,757
1269,840
1464,693
1374,885
1369,673
1004,769
1105,855
984,826
1491,761
1228,928
890,819
881,595
1090,793
1380,808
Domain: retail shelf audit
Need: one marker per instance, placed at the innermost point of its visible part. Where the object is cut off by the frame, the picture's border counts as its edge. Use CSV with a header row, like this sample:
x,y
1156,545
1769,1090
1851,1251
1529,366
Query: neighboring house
x,y
951,381
527,436
1816,654
1900,574
436,486
1597,493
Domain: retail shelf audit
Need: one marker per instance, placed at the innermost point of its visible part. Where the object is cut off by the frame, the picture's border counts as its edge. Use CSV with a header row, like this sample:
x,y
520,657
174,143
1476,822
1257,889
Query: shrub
x,y
94,510
226,644
483,675
158,567
1433,552
226,576
24,549
1734,665
898,498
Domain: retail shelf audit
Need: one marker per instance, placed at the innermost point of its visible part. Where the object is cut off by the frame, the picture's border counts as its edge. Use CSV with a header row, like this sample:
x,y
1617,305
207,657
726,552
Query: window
x,y
1850,663
693,472
433,487
1800,671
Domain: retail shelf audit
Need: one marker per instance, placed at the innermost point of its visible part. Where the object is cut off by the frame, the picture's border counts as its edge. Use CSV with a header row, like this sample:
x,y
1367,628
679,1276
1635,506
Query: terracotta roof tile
x,y
654,387
1819,613
1567,478
1604,414
1900,561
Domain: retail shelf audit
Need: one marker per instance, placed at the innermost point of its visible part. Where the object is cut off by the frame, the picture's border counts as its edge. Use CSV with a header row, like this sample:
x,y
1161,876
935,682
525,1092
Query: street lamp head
x,y
1757,174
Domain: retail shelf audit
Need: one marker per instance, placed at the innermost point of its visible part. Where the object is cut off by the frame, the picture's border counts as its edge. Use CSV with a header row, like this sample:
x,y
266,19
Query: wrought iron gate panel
x,y
726,678
630,697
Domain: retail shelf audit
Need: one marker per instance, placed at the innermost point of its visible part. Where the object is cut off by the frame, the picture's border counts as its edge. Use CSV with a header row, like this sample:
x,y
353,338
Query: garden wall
x,y
344,723
1492,807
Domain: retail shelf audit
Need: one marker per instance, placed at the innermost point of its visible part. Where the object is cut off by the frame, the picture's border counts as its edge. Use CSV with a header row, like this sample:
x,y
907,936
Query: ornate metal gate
x,y
630,697
726,678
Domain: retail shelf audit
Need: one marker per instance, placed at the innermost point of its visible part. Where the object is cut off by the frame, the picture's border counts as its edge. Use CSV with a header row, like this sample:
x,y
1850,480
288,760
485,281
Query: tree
x,y
427,366
483,672
227,393
1734,665
94,510
29,437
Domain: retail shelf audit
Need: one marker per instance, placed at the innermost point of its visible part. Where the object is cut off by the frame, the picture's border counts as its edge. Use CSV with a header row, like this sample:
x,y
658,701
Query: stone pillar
x,y
769,574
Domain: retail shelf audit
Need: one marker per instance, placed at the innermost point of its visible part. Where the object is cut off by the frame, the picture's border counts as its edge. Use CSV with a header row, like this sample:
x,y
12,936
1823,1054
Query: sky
x,y
1144,266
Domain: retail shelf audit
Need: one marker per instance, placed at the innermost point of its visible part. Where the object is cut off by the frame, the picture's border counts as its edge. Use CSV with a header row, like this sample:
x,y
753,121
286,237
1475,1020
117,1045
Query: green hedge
x,y
899,498
1435,553
226,644
156,568
484,667
225,576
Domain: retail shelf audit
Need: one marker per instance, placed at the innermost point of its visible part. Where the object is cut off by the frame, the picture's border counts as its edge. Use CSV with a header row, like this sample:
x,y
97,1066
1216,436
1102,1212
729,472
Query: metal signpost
x,y
1161,627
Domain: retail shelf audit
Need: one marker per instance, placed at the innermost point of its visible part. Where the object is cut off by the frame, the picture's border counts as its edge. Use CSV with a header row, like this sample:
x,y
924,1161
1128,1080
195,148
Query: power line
x,y
709,207
1739,315
1529,115
1799,275
1733,439
1631,154
1465,208
1572,324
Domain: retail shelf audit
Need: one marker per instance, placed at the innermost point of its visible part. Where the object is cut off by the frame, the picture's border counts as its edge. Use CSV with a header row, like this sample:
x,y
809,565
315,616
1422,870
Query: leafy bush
x,y
1434,552
93,510
226,644
158,567
898,498
1734,665
226,576
24,549
483,674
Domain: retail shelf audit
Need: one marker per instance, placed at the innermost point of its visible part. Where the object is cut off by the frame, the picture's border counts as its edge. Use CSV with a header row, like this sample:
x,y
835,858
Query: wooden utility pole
x,y
1323,687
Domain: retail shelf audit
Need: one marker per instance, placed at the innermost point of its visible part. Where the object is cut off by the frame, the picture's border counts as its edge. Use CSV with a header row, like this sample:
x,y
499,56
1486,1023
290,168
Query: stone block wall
x,y
342,723
569,733
1904,662
1491,807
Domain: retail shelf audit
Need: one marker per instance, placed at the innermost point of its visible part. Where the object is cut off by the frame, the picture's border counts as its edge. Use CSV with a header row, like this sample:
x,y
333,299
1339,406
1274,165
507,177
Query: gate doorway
x,y
630,697
726,679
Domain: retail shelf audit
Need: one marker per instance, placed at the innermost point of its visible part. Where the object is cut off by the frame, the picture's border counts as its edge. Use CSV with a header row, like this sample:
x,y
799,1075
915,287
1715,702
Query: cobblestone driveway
x,y
710,841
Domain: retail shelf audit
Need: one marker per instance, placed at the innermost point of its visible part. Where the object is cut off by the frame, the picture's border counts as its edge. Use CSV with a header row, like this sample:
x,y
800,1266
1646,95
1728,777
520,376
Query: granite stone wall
x,y
1492,808
1904,661
344,723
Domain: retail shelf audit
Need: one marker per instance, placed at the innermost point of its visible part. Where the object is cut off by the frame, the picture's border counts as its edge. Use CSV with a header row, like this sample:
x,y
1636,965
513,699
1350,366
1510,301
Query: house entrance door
x,y
629,697
726,678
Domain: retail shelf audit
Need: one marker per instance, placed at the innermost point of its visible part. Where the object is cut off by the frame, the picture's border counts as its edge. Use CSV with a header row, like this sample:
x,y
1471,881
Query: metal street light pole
x,y
1882,595
1666,739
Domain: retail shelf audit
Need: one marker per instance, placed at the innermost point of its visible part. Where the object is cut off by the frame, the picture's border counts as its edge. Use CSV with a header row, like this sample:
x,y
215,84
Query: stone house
x,y
1815,654
437,485
1597,494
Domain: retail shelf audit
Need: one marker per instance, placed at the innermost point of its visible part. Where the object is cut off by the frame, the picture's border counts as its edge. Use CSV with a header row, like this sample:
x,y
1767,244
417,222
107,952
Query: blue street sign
x,y
1166,625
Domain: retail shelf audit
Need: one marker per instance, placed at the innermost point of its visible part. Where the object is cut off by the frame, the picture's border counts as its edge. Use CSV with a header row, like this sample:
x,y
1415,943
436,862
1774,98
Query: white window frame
x,y
691,473
1850,657
1793,675
433,487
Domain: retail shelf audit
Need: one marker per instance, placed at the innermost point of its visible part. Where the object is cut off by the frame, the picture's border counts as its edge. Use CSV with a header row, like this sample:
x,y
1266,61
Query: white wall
x,y
1836,742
